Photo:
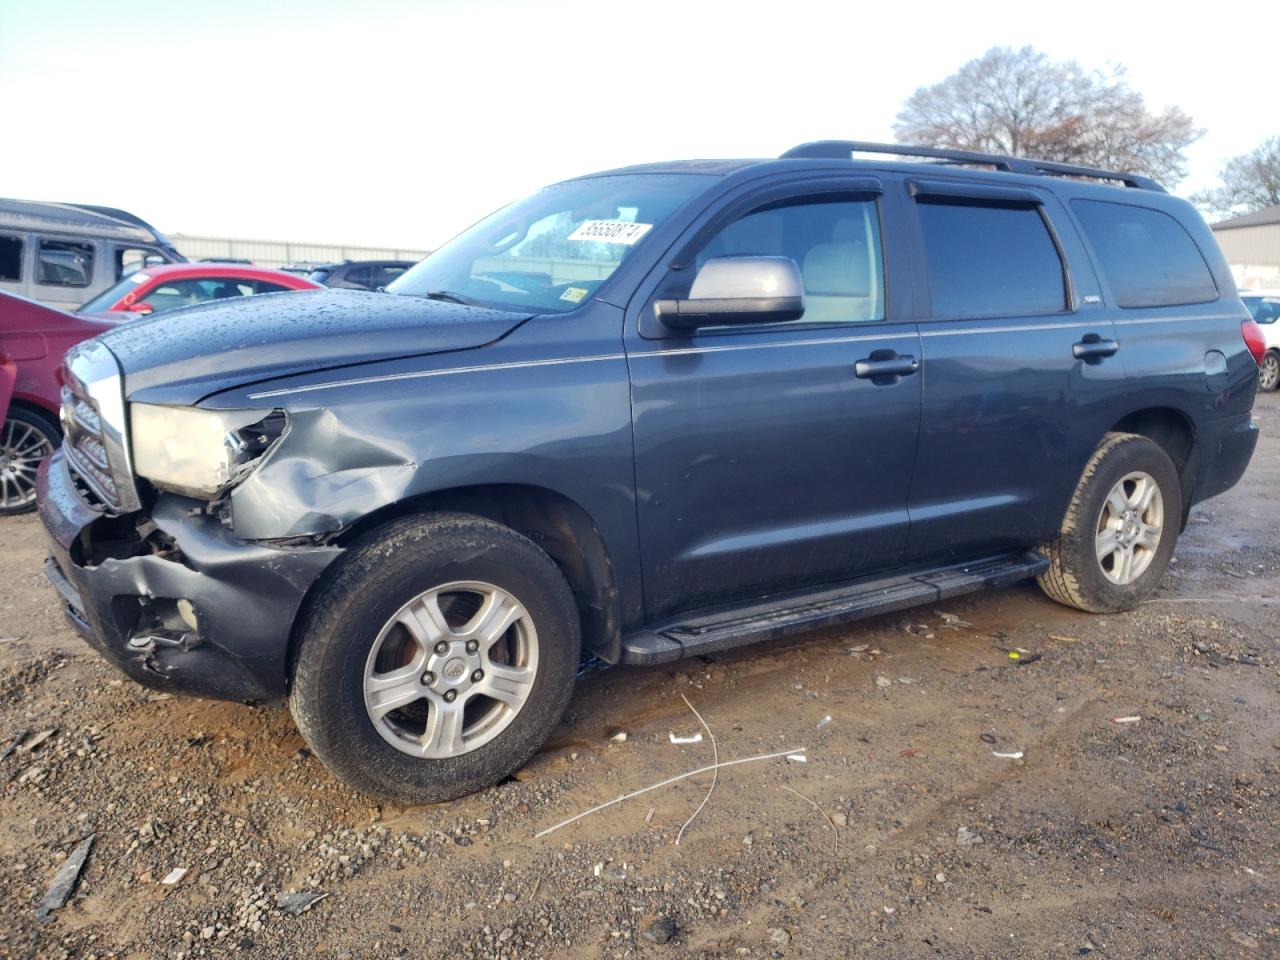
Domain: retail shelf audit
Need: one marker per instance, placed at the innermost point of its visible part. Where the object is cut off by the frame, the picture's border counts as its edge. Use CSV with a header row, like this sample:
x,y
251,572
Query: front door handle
x,y
885,366
1094,347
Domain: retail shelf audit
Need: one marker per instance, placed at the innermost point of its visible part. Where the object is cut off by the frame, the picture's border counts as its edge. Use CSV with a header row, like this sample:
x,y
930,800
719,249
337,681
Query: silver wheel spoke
x,y
1143,494
1124,565
511,685
494,618
443,734
1149,537
385,692
1107,544
1117,501
424,621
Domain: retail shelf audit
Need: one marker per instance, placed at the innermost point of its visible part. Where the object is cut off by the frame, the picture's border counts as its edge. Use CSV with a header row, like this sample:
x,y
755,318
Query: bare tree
x,y
1249,182
1020,102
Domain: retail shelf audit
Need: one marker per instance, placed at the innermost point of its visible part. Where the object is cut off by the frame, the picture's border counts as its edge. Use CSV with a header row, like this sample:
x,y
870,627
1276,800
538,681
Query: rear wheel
x,y
440,654
1120,528
26,438
1269,371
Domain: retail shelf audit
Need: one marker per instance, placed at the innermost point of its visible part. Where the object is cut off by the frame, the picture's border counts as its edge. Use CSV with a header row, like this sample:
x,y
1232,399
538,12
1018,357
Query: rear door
x,y
766,458
1020,367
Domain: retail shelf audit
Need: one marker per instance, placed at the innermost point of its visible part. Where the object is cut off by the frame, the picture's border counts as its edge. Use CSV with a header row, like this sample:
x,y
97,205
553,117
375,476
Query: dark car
x,y
360,274
648,414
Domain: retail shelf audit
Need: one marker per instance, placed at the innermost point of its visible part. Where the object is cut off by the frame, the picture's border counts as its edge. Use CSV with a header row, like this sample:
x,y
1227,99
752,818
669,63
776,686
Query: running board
x,y
771,618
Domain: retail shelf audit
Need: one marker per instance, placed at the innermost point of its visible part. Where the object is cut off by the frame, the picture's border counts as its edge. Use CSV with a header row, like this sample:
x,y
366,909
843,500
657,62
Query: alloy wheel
x,y
1129,528
22,447
451,669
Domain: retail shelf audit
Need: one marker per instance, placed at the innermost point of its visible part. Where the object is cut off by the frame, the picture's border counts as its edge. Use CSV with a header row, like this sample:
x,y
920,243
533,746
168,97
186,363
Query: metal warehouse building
x,y
276,253
1251,244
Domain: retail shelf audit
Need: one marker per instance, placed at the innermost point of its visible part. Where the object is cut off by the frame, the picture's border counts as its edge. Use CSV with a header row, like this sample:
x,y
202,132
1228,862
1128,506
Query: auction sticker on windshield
x,y
611,231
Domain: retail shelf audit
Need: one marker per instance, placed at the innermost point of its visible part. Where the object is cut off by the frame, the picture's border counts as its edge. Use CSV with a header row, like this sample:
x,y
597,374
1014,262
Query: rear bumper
x,y
121,592
1226,447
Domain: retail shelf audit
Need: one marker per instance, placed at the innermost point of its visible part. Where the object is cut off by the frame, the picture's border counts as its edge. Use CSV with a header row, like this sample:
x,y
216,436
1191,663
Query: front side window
x,y
550,252
175,294
130,259
1147,257
835,243
64,263
10,258
990,259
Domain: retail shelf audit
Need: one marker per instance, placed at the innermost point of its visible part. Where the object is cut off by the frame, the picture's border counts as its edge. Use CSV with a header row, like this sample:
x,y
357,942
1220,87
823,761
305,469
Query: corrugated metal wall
x,y
276,253
1253,252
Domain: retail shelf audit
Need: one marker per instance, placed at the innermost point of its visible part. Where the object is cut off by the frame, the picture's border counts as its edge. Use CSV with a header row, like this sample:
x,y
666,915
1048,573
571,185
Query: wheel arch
x,y
554,522
1175,433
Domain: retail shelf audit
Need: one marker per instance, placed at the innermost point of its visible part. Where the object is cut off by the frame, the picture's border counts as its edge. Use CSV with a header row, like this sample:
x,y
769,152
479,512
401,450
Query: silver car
x,y
64,254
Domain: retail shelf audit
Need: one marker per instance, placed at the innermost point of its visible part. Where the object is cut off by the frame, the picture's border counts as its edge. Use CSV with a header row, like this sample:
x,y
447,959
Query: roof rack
x,y
842,150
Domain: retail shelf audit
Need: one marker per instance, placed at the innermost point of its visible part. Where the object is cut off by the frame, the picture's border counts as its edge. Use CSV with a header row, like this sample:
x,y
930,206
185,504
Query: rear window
x,y
990,260
1146,256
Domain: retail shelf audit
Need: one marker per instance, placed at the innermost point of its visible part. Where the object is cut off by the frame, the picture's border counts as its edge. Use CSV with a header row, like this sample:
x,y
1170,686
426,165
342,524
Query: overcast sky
x,y
400,123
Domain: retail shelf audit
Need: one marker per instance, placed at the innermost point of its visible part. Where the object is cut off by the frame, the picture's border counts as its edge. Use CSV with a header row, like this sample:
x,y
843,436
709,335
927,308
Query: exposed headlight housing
x,y
201,453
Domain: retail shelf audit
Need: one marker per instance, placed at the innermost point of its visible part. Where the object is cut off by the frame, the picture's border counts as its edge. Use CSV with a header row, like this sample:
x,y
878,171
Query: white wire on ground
x,y
668,781
715,773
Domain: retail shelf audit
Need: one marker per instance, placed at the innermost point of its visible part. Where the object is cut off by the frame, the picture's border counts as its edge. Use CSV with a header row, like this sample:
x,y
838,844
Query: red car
x,y
34,337
174,285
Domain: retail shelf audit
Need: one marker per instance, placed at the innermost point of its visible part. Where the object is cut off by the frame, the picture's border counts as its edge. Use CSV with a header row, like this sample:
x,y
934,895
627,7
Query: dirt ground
x,y
903,835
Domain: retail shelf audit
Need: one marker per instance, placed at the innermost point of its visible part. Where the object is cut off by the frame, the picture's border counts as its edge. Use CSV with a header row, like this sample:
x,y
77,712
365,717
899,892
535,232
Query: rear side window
x,y
1147,257
64,263
990,260
10,258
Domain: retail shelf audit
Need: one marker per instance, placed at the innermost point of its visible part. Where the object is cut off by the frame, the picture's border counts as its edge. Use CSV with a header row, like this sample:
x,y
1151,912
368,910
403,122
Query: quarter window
x,y
990,260
1147,257
64,263
10,258
834,242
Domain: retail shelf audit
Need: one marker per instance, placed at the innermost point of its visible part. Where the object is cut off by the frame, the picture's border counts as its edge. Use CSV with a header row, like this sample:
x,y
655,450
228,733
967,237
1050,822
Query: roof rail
x,y
843,149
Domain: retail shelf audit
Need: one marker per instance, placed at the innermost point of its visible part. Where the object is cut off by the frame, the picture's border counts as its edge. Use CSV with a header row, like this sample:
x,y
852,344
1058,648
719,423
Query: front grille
x,y
85,449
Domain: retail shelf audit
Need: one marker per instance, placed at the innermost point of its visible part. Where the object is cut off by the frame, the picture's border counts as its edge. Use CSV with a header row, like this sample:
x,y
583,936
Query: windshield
x,y
551,251
110,296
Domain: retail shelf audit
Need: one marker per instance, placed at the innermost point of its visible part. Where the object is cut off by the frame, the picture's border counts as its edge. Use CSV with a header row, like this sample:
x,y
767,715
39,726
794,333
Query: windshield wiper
x,y
450,297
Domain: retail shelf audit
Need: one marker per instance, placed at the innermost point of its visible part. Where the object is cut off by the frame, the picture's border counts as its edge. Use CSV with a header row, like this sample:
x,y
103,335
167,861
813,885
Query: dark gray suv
x,y
648,414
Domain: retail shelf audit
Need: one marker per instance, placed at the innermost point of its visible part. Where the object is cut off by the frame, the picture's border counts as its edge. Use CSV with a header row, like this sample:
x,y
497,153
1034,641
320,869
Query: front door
x,y
766,457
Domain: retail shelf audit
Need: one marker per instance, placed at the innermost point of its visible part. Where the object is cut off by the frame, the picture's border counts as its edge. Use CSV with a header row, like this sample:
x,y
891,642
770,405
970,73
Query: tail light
x,y
1253,339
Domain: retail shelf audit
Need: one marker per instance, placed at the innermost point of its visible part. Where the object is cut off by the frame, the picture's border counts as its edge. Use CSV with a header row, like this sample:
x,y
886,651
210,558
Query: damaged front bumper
x,y
174,599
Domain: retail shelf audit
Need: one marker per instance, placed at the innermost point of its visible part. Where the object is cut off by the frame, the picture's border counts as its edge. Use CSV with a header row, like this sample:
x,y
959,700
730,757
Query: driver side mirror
x,y
142,308
729,291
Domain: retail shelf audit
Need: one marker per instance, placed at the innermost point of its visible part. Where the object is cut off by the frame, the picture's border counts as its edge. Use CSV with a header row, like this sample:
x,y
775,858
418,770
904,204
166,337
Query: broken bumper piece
x,y
174,600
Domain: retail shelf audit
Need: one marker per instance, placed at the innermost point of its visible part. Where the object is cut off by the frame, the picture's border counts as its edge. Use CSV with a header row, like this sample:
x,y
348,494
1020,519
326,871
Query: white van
x,y
63,254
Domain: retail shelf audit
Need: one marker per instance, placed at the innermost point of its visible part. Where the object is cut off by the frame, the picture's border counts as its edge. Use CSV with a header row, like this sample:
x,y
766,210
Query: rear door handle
x,y
1093,347
885,367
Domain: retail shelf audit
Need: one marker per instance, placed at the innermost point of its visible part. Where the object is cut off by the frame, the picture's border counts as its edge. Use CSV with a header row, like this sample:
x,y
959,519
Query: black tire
x,y
375,578
1075,577
1269,371
19,423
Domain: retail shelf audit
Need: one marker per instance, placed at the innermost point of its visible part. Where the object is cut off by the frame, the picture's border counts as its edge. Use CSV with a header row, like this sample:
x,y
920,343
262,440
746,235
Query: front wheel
x,y
1269,372
440,654
1120,528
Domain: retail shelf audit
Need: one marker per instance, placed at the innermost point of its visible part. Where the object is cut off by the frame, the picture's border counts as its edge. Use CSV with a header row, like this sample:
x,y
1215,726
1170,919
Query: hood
x,y
185,355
